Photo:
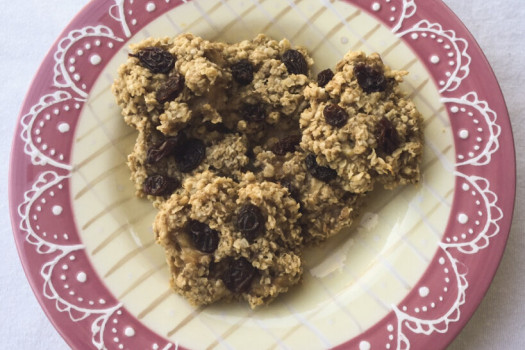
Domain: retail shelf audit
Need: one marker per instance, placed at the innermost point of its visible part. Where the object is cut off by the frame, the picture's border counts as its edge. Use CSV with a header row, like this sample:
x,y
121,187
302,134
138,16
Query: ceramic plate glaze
x,y
408,275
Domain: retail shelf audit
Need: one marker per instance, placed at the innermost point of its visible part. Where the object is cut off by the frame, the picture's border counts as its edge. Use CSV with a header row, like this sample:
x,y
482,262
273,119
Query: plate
x,y
408,275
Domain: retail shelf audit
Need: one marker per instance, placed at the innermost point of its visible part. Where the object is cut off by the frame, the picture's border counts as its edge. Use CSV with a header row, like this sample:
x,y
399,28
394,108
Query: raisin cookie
x,y
170,80
269,77
226,240
360,125
325,206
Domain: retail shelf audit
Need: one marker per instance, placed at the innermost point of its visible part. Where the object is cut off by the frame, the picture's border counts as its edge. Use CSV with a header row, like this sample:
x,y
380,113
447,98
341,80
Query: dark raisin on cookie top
x,y
189,155
370,79
160,185
156,59
203,237
388,139
250,221
171,89
335,115
324,77
242,72
285,145
322,173
238,275
165,149
295,62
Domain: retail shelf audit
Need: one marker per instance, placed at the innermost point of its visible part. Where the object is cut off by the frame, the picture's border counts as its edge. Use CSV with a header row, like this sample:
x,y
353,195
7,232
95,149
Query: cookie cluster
x,y
248,158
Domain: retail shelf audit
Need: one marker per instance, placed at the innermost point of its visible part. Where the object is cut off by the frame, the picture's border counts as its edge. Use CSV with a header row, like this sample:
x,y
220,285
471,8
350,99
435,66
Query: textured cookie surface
x,y
249,159
362,126
228,240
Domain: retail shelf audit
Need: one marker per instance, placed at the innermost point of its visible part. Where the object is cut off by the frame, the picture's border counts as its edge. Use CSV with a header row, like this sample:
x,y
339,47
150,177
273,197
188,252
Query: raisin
x,y
238,275
324,77
286,145
204,238
335,115
170,89
369,78
387,137
242,72
250,221
295,62
189,155
254,113
156,153
322,173
155,59
159,185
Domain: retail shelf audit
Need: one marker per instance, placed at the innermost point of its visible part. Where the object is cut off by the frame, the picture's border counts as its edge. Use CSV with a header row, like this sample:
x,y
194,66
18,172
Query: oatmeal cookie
x,y
266,94
170,80
325,206
226,240
362,126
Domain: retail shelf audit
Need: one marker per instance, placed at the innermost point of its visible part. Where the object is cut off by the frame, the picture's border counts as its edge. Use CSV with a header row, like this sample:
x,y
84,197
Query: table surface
x,y
498,26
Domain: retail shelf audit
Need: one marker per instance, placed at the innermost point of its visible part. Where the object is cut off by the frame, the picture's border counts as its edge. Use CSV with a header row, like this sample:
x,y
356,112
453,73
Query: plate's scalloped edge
x,y
38,157
490,141
454,245
64,78
402,326
89,319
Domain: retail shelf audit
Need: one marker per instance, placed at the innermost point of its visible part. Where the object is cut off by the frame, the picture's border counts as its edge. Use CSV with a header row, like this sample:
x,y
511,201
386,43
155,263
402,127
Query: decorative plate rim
x,y
482,204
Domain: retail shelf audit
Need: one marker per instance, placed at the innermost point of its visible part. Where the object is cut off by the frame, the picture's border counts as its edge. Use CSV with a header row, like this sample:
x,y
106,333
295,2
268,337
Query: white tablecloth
x,y
29,28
